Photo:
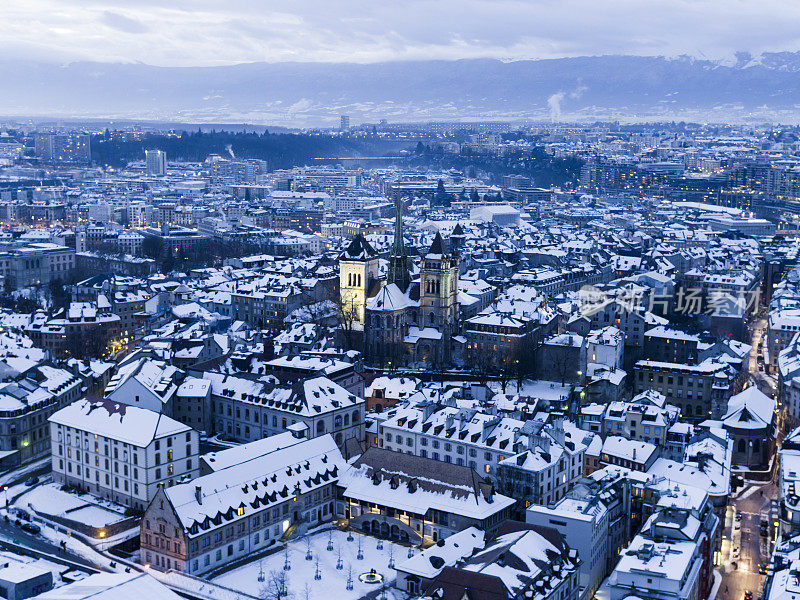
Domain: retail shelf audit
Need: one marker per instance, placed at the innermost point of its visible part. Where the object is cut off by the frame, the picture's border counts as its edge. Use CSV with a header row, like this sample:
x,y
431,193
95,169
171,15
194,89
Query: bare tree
x,y
276,587
479,366
559,359
347,317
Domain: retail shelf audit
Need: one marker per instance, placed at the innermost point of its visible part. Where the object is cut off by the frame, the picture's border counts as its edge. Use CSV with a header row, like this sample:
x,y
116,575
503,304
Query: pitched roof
x,y
437,247
359,249
456,584
390,298
130,424
749,409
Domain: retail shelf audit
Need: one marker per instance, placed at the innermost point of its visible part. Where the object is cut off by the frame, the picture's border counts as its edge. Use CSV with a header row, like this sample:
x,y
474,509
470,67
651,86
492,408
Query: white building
x,y
605,347
655,570
145,383
502,215
243,507
155,162
584,525
119,452
130,242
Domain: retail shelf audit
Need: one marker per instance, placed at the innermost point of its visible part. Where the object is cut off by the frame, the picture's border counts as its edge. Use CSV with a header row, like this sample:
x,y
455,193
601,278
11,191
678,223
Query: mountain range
x,y
627,88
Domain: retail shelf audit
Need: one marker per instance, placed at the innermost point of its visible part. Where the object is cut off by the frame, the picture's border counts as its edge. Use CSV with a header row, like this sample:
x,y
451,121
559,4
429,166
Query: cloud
x,y
123,23
209,32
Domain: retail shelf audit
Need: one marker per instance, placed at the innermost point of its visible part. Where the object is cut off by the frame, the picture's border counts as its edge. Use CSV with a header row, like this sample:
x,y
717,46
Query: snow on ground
x,y
334,582
24,470
76,546
51,500
23,562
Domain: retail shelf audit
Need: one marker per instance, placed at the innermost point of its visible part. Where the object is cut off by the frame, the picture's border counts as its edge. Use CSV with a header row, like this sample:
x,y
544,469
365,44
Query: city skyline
x,y
432,300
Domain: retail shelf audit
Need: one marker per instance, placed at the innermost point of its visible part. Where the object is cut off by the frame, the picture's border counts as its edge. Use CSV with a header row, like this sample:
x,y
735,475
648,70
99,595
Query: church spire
x,y
398,262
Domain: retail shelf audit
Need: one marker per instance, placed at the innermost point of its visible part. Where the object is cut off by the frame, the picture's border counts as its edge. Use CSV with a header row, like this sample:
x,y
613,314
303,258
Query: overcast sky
x,y
214,32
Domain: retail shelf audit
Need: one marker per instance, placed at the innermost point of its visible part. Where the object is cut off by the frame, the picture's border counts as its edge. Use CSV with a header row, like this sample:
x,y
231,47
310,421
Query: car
x,y
22,515
738,516
31,528
31,481
762,570
748,595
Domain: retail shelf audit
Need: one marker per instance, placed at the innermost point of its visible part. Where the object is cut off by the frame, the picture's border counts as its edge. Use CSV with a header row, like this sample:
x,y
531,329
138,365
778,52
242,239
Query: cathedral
x,y
406,322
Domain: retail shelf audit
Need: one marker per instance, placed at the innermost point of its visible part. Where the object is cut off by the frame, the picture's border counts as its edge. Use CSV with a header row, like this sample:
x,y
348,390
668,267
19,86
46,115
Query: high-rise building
x,y
345,123
63,147
155,162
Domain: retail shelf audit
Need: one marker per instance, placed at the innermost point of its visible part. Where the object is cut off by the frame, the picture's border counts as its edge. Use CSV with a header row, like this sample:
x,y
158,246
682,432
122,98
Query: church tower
x,y
358,269
398,262
439,290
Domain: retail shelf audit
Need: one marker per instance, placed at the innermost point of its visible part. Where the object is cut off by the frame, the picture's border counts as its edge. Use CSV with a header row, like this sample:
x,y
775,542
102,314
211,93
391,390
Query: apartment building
x,y
701,391
83,329
266,306
415,500
534,460
242,508
119,452
247,410
27,399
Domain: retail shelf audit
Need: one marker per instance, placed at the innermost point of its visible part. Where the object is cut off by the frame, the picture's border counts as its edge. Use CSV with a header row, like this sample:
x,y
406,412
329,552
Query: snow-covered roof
x,y
128,424
750,409
416,484
244,488
391,298
430,562
625,449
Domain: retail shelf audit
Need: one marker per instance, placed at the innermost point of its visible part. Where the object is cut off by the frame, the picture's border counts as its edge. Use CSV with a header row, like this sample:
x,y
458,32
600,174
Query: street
x,y
744,549
12,533
740,569
765,382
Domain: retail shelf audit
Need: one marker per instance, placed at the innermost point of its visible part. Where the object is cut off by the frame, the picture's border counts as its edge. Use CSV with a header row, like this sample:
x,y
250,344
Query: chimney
x,y
198,494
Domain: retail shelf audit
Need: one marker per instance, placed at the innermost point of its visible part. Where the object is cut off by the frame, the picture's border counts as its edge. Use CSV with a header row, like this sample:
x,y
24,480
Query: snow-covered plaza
x,y
333,582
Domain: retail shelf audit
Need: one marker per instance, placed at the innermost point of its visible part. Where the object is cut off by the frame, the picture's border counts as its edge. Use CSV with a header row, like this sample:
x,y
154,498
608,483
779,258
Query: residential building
x,y
416,500
121,453
241,509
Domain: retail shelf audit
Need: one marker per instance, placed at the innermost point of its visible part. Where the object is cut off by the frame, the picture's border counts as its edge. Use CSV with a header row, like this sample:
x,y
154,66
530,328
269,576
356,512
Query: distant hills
x,y
597,87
